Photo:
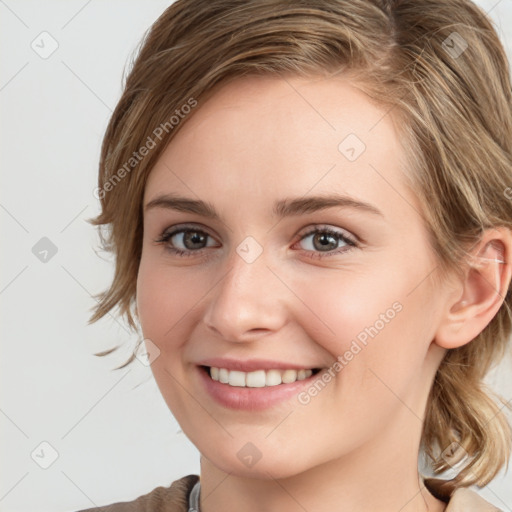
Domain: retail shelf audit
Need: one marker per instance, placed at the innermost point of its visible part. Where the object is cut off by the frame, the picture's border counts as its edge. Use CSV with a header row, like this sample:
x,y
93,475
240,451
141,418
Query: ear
x,y
480,293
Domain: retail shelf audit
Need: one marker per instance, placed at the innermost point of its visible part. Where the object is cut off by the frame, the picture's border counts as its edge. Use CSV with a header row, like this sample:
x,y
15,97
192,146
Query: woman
x,y
310,208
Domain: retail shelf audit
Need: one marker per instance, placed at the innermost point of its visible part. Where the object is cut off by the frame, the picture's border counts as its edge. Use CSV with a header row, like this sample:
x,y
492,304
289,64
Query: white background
x,y
114,436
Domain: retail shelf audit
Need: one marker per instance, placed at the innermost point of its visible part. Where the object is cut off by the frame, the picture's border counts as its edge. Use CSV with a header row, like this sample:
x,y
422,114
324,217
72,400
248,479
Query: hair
x,y
437,66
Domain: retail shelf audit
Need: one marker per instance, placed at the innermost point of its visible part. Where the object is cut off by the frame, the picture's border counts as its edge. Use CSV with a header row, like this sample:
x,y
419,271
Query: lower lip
x,y
252,399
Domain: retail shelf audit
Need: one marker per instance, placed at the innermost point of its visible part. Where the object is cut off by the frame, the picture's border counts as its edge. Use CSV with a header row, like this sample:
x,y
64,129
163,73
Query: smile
x,y
259,378
248,390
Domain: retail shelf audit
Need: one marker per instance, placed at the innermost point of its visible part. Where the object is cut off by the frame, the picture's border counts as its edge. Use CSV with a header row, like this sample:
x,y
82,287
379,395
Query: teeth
x,y
258,378
272,377
289,376
223,375
254,379
236,378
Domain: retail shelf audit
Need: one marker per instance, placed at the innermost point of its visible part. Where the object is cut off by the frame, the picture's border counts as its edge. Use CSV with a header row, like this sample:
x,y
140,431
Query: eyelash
x,y
351,244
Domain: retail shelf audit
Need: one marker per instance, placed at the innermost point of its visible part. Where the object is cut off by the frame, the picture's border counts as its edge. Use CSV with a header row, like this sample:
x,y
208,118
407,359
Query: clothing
x,y
175,498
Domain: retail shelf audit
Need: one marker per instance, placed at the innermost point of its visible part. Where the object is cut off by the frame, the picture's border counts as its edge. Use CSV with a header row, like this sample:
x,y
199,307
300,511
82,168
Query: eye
x,y
192,241
325,240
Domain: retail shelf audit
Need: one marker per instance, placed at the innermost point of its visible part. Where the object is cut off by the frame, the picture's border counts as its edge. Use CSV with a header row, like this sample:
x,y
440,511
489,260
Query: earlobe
x,y
481,293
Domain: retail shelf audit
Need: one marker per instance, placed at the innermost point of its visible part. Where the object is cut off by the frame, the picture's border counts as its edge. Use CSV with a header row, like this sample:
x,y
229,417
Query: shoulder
x,y
460,499
466,500
161,499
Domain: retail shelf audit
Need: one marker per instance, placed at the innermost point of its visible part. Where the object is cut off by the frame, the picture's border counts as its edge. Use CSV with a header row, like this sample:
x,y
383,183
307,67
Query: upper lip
x,y
253,364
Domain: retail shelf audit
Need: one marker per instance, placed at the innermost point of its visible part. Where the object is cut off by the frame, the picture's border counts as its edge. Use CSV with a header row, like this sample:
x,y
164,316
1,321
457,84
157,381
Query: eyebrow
x,y
282,208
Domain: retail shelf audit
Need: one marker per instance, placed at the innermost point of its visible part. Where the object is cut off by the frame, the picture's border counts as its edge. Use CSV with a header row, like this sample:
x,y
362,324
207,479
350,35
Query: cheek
x,y
371,318
166,297
165,302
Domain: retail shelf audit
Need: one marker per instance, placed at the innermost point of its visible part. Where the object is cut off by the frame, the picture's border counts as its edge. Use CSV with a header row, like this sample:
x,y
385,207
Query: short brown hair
x,y
439,67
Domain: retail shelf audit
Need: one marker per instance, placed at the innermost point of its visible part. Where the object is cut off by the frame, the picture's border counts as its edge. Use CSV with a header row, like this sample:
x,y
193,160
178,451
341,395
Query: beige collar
x,y
467,500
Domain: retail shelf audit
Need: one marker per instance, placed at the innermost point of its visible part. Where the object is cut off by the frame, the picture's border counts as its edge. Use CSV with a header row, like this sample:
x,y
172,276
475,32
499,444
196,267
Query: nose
x,y
248,302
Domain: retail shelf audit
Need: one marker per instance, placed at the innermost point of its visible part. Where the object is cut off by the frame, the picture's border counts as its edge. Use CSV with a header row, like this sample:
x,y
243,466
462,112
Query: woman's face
x,y
276,159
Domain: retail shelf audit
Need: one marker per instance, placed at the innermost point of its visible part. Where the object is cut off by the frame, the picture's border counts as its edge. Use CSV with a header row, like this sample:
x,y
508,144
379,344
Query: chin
x,y
249,462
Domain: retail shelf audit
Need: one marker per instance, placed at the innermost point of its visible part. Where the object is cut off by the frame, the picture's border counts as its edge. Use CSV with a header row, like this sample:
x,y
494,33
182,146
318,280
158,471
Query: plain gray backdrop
x,y
76,434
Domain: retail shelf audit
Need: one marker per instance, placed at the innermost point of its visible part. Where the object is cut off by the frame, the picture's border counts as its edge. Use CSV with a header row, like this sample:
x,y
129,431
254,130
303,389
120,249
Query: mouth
x,y
267,385
258,378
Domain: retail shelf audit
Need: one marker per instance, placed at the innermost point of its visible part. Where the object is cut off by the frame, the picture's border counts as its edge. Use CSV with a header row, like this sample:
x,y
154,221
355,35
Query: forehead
x,y
267,137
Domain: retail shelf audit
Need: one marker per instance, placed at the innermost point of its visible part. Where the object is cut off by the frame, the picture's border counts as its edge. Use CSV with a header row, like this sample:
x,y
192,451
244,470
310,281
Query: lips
x,y
237,395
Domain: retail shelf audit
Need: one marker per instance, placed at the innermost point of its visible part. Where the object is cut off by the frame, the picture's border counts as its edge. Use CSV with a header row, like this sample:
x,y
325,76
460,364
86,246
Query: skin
x,y
253,142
